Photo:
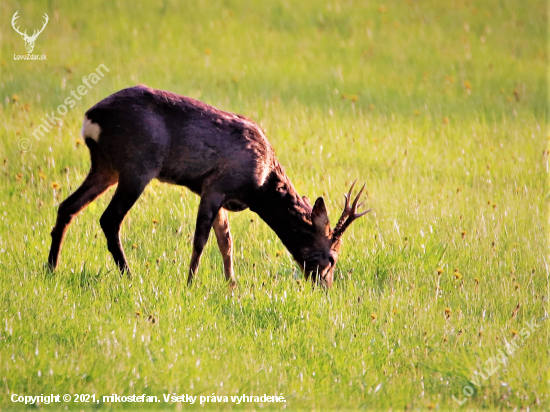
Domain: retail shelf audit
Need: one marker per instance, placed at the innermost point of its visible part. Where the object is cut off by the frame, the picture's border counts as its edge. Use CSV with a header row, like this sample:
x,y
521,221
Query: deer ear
x,y
319,216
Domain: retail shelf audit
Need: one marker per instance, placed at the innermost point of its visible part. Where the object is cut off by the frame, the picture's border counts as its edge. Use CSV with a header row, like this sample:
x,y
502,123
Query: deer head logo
x,y
29,40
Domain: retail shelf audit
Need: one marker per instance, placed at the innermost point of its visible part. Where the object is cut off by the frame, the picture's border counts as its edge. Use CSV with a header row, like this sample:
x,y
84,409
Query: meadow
x,y
439,106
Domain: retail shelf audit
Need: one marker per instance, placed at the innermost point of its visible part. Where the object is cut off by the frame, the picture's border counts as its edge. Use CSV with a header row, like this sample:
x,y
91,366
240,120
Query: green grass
x,y
440,106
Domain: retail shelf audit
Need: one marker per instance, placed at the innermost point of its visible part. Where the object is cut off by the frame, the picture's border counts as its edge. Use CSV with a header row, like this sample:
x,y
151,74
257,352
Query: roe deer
x,y
139,134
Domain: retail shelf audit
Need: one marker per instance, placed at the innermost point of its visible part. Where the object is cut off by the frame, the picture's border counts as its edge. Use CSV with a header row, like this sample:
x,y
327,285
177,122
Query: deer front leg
x,y
209,207
223,235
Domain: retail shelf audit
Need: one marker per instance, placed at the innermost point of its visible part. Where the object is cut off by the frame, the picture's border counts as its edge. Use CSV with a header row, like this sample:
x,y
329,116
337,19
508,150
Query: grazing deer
x,y
29,40
139,134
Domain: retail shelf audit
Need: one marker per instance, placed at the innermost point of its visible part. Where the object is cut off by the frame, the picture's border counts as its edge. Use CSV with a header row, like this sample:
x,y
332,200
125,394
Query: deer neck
x,y
285,212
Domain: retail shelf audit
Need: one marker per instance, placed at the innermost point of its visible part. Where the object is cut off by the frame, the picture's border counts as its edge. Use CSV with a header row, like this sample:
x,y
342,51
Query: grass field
x,y
440,106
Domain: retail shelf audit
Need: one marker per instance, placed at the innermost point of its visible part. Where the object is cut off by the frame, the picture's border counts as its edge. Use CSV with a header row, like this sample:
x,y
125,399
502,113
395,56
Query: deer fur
x,y
139,134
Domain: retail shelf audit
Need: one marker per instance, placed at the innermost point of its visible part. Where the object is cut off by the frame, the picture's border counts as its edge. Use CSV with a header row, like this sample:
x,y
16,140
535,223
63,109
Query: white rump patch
x,y
90,129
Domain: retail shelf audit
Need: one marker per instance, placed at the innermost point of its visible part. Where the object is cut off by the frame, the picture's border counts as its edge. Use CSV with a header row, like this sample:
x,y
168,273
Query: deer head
x,y
29,40
319,260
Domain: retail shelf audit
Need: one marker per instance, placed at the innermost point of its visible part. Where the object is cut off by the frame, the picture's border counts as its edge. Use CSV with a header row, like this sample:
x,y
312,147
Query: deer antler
x,y
15,17
349,214
35,34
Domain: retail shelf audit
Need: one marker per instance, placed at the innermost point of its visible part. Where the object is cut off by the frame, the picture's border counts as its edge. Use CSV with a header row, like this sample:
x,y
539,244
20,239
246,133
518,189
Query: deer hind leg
x,y
225,243
209,207
127,193
100,178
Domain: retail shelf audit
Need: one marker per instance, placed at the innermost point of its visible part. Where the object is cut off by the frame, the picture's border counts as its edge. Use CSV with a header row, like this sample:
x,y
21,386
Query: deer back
x,y
182,140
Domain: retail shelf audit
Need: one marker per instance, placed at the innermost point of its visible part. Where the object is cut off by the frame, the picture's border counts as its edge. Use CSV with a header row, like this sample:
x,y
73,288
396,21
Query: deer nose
x,y
326,280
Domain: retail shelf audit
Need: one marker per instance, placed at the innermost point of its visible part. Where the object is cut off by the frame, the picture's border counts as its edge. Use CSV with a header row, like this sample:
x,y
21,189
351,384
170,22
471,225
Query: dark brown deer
x,y
139,134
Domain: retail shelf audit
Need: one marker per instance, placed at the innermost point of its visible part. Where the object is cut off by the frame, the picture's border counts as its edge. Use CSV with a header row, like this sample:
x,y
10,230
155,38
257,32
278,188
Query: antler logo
x,y
29,40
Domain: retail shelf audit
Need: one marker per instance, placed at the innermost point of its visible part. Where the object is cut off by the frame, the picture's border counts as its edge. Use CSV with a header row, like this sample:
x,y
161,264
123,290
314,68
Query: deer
x,y
29,40
139,134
